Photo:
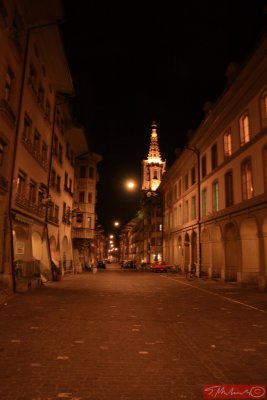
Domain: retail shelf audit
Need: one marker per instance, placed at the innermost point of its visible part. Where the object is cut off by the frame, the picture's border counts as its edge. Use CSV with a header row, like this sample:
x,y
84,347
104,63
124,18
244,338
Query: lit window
x,y
247,187
244,129
215,196
227,144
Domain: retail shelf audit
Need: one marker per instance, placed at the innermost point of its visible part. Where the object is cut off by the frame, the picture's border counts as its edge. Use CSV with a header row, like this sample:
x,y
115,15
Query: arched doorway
x,y
232,252
194,247
250,250
205,251
186,251
217,251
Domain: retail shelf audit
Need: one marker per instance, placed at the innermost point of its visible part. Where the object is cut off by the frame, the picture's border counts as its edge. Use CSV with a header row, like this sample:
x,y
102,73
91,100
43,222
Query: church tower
x,y
153,167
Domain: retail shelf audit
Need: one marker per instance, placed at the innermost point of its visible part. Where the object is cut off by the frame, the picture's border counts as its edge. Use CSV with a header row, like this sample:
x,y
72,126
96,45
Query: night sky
x,y
132,63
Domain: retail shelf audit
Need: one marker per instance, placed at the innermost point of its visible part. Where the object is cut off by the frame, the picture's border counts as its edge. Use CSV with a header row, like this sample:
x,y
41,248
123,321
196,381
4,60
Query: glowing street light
x,y
116,223
130,185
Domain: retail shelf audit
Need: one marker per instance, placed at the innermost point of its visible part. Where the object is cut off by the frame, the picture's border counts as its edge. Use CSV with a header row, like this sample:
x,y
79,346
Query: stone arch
x,y
194,247
232,251
37,246
250,250
217,251
205,250
180,250
54,249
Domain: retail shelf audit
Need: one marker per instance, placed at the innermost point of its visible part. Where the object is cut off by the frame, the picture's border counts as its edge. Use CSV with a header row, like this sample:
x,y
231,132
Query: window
x,y
58,183
264,109
21,182
204,166
70,187
215,196
229,194
36,142
90,197
244,129
193,175
44,152
79,218
32,192
91,172
82,171
175,191
214,156
186,214
40,95
2,151
81,197
227,144
66,179
56,209
193,207
32,76
204,203
53,178
247,187
26,134
8,85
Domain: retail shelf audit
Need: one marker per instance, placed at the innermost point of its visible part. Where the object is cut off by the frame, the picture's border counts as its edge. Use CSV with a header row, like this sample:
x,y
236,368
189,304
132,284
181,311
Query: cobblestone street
x,y
129,335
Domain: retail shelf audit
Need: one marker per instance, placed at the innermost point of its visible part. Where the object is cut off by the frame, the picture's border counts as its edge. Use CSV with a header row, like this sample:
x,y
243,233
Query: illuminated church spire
x,y
153,167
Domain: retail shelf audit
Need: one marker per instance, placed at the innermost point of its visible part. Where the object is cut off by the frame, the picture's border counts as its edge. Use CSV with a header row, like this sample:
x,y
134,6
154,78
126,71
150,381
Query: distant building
x,y
85,236
215,193
141,239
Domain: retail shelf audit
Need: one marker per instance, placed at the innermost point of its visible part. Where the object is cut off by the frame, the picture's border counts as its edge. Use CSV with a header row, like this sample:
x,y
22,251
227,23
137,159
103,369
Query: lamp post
x,y
199,253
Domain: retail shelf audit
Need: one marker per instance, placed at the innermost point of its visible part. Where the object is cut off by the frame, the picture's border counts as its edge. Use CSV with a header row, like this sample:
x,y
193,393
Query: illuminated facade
x,y
85,236
215,193
154,167
38,145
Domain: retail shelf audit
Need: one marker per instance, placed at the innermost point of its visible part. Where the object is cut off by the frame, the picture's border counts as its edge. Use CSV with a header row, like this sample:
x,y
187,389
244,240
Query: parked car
x,y
101,264
129,264
160,266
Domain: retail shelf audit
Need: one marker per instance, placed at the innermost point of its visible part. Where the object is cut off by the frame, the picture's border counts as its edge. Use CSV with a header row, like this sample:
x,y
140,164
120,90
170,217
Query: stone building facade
x,y
215,193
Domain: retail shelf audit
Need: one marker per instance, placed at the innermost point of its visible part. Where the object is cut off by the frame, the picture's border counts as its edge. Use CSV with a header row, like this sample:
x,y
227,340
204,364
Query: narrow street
x,y
130,335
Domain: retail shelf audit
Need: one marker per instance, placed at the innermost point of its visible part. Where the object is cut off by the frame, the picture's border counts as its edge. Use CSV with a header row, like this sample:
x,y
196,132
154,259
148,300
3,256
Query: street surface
x,y
130,335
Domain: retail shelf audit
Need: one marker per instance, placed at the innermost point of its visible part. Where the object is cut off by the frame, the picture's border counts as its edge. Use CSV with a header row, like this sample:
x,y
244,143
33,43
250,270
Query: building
x,y
215,193
141,238
154,169
12,38
84,232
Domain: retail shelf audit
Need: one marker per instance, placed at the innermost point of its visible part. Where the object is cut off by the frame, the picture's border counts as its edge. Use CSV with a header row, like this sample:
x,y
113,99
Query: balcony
x,y
26,204
35,153
83,233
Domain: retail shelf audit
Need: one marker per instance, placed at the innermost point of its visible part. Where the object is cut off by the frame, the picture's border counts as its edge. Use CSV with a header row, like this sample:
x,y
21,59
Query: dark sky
x,y
133,63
